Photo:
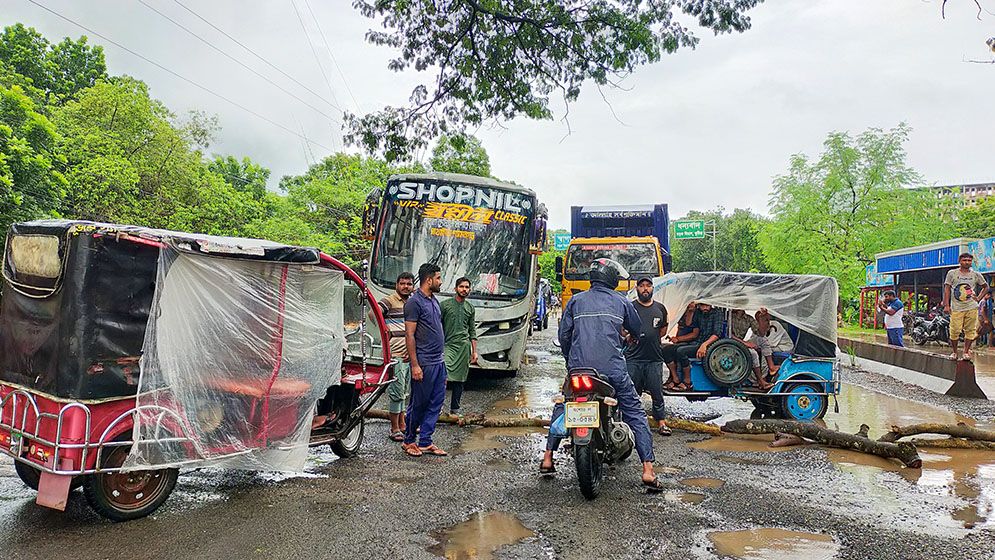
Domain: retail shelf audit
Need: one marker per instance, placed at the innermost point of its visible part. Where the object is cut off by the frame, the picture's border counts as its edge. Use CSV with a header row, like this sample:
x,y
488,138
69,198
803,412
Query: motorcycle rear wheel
x,y
589,470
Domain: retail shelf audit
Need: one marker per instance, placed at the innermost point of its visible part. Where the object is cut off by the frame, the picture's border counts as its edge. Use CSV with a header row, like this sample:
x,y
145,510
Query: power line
x,y
332,56
314,51
240,63
255,54
184,78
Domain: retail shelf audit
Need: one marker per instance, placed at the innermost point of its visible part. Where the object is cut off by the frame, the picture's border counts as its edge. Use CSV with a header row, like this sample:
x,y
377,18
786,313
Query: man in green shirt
x,y
459,326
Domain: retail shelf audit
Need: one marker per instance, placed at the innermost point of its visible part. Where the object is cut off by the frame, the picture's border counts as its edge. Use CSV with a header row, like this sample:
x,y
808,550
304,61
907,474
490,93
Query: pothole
x,y
773,544
480,536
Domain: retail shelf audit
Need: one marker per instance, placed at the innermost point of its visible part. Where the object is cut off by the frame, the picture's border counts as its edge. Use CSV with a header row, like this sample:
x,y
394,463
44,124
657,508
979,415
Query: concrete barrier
x,y
909,364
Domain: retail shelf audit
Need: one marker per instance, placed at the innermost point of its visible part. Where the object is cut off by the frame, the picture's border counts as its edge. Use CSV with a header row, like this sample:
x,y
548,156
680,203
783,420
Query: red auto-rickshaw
x,y
127,353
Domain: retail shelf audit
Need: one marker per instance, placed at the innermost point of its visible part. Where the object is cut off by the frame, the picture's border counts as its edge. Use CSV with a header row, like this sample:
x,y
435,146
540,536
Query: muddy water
x,y
773,544
880,412
703,482
480,536
481,439
533,399
692,498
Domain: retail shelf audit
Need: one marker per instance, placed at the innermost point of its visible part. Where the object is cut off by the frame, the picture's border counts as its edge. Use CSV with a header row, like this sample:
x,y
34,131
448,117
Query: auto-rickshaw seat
x,y
256,388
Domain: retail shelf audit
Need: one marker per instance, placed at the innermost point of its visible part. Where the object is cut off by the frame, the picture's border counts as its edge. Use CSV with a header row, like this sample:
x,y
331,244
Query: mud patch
x,y
482,439
692,498
480,536
703,482
773,544
741,444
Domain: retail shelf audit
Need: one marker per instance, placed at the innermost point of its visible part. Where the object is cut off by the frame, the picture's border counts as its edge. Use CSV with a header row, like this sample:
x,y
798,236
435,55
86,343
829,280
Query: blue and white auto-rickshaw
x,y
804,311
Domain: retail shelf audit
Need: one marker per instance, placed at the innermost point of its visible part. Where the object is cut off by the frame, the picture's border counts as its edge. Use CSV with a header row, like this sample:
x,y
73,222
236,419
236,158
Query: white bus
x,y
481,228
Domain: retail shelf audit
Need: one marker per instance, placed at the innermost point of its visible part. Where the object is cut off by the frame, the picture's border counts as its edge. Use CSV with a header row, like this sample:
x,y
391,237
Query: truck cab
x,y
640,256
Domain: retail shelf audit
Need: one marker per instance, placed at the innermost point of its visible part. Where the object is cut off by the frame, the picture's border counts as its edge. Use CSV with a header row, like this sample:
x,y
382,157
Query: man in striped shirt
x,y
392,308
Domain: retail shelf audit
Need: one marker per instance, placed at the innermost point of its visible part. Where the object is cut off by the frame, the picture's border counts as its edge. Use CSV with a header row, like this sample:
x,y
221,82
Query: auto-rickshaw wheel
x,y
123,496
349,445
803,403
31,476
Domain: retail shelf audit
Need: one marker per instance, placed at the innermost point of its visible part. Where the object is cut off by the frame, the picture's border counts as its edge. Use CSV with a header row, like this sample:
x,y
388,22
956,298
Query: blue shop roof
x,y
924,257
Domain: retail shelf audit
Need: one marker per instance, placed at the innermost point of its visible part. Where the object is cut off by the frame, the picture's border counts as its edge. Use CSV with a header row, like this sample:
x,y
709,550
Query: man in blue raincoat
x,y
591,337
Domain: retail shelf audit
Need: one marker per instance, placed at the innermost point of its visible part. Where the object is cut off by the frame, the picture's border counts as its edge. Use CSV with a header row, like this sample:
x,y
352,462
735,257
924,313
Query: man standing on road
x,y
644,356
425,342
894,311
961,294
392,308
459,326
591,337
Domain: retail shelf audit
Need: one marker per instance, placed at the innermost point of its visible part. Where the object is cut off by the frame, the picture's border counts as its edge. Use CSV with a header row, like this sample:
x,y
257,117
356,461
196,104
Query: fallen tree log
x,y
953,443
903,451
693,426
958,430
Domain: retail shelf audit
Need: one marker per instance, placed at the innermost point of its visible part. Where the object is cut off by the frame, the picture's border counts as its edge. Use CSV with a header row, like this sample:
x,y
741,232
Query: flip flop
x,y
664,430
432,450
544,470
412,449
654,486
968,356
397,436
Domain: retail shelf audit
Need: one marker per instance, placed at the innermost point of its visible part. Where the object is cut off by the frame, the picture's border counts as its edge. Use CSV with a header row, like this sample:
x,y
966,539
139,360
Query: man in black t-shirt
x,y
644,356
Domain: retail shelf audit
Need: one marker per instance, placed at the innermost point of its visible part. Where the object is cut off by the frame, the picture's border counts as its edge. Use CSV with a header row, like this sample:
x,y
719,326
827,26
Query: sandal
x,y
680,387
397,436
433,450
544,470
412,449
653,486
670,386
968,356
664,430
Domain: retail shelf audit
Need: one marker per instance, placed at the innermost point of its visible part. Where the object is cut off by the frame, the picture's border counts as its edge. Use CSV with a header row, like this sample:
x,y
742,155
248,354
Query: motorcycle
x,y
594,424
931,329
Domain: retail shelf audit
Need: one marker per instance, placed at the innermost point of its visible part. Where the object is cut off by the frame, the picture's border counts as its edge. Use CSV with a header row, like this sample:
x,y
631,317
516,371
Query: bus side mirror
x,y
559,269
371,211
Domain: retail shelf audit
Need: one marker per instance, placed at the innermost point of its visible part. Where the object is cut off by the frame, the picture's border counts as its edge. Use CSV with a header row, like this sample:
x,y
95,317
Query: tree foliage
x,y
977,219
735,248
497,60
832,215
461,153
59,71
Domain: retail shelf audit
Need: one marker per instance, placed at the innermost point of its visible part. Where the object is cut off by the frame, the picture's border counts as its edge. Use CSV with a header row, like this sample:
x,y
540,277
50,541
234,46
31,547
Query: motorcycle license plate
x,y
582,415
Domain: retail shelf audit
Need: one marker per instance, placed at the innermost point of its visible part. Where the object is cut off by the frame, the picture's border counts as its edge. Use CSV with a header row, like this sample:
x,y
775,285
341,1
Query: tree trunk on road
x,y
904,452
959,430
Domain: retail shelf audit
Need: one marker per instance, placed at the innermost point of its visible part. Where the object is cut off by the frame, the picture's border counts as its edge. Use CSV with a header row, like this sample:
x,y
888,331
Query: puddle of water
x,y
482,439
881,412
960,473
740,444
684,497
480,536
703,482
773,544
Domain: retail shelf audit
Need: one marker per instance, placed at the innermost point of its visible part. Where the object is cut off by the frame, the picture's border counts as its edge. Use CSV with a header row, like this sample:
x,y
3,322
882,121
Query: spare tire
x,y
727,362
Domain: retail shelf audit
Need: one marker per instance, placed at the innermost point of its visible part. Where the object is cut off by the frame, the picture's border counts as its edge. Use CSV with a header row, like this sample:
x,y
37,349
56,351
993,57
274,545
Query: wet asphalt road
x,y
382,504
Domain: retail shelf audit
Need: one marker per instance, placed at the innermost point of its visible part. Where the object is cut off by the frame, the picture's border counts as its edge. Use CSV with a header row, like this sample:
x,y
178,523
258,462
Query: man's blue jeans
x,y
895,336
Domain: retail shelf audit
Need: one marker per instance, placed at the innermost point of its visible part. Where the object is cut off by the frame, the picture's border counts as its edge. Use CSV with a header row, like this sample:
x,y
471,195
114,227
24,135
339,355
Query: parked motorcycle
x,y
933,328
594,424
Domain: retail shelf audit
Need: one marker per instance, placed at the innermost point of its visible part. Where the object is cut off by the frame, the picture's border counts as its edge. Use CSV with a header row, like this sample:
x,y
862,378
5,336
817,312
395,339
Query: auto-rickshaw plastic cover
x,y
241,351
807,301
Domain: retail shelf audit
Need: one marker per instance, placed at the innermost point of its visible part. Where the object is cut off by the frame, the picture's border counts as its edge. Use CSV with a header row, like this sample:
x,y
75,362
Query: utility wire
x,y
332,56
239,62
314,51
255,54
184,78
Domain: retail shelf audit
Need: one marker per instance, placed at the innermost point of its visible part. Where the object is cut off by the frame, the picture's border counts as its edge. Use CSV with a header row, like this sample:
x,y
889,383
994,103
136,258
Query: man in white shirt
x,y
894,311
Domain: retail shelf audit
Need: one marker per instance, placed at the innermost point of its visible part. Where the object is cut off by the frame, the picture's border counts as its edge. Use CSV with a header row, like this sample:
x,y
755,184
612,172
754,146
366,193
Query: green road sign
x,y
561,241
689,229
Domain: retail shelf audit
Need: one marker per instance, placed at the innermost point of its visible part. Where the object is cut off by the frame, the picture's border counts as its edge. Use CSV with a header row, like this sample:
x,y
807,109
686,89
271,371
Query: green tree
x,y
25,51
547,262
498,60
977,219
74,66
330,197
461,153
832,215
245,175
736,247
31,185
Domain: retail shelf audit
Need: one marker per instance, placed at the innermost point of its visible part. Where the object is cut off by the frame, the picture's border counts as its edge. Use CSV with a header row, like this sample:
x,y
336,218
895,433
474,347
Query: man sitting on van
x,y
741,326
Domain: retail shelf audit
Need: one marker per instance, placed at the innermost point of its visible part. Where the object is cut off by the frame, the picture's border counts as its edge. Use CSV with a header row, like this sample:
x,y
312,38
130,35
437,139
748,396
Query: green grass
x,y
854,329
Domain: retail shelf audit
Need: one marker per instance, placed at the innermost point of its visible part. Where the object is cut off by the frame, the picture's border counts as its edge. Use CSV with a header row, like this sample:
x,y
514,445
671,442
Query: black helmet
x,y
607,272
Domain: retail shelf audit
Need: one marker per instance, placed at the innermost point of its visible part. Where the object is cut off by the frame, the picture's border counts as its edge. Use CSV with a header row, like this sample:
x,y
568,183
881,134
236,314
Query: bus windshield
x,y
636,258
468,230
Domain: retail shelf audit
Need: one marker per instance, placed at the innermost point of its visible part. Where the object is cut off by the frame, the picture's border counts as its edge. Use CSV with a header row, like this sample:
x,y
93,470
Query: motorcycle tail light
x,y
581,382
575,383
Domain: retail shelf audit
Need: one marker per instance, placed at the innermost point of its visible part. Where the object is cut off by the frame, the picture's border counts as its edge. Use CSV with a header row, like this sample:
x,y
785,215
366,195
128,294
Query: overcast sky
x,y
701,128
